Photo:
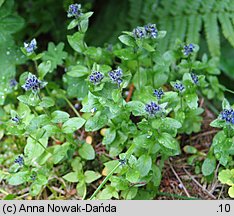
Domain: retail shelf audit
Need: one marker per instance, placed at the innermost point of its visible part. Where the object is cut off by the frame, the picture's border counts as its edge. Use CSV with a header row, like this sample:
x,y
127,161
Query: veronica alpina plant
x,y
96,77
31,46
33,84
19,160
188,49
74,10
158,93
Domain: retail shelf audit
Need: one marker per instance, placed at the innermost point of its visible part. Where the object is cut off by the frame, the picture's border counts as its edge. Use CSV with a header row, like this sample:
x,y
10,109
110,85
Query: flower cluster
x,y
138,32
30,47
15,119
13,83
158,93
152,108
151,30
74,10
228,115
179,86
33,176
148,31
188,49
116,75
19,160
33,83
96,77
194,78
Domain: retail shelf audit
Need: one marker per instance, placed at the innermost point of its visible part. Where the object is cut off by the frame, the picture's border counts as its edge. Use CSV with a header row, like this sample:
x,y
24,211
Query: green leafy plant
x,y
226,177
222,145
133,99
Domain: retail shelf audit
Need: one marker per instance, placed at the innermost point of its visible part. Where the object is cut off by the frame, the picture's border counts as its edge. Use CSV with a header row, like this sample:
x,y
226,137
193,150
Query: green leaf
x,y
77,87
35,148
225,104
96,122
73,24
55,54
59,116
148,47
73,124
106,193
35,189
157,176
47,102
226,177
11,24
60,152
144,165
78,71
31,100
109,137
190,149
136,107
127,40
130,193
218,123
18,178
81,188
192,100
91,176
132,175
86,151
170,122
76,41
109,166
231,191
208,166
168,141
44,68
71,177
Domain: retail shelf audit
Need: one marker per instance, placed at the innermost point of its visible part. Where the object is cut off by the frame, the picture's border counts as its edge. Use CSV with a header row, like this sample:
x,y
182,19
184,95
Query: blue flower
x,y
151,30
194,78
30,47
19,160
152,108
15,119
33,176
188,49
116,75
158,93
96,77
13,83
123,161
74,10
33,83
179,86
138,32
227,115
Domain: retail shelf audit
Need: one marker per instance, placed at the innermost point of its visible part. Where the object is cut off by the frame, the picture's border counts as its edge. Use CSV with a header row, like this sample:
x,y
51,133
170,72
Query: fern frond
x,y
179,29
165,24
212,33
227,27
134,12
194,27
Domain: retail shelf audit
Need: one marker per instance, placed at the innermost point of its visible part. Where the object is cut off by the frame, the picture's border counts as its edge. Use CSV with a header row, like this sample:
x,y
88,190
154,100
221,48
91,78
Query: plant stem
x,y
228,90
138,73
71,106
104,181
38,142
